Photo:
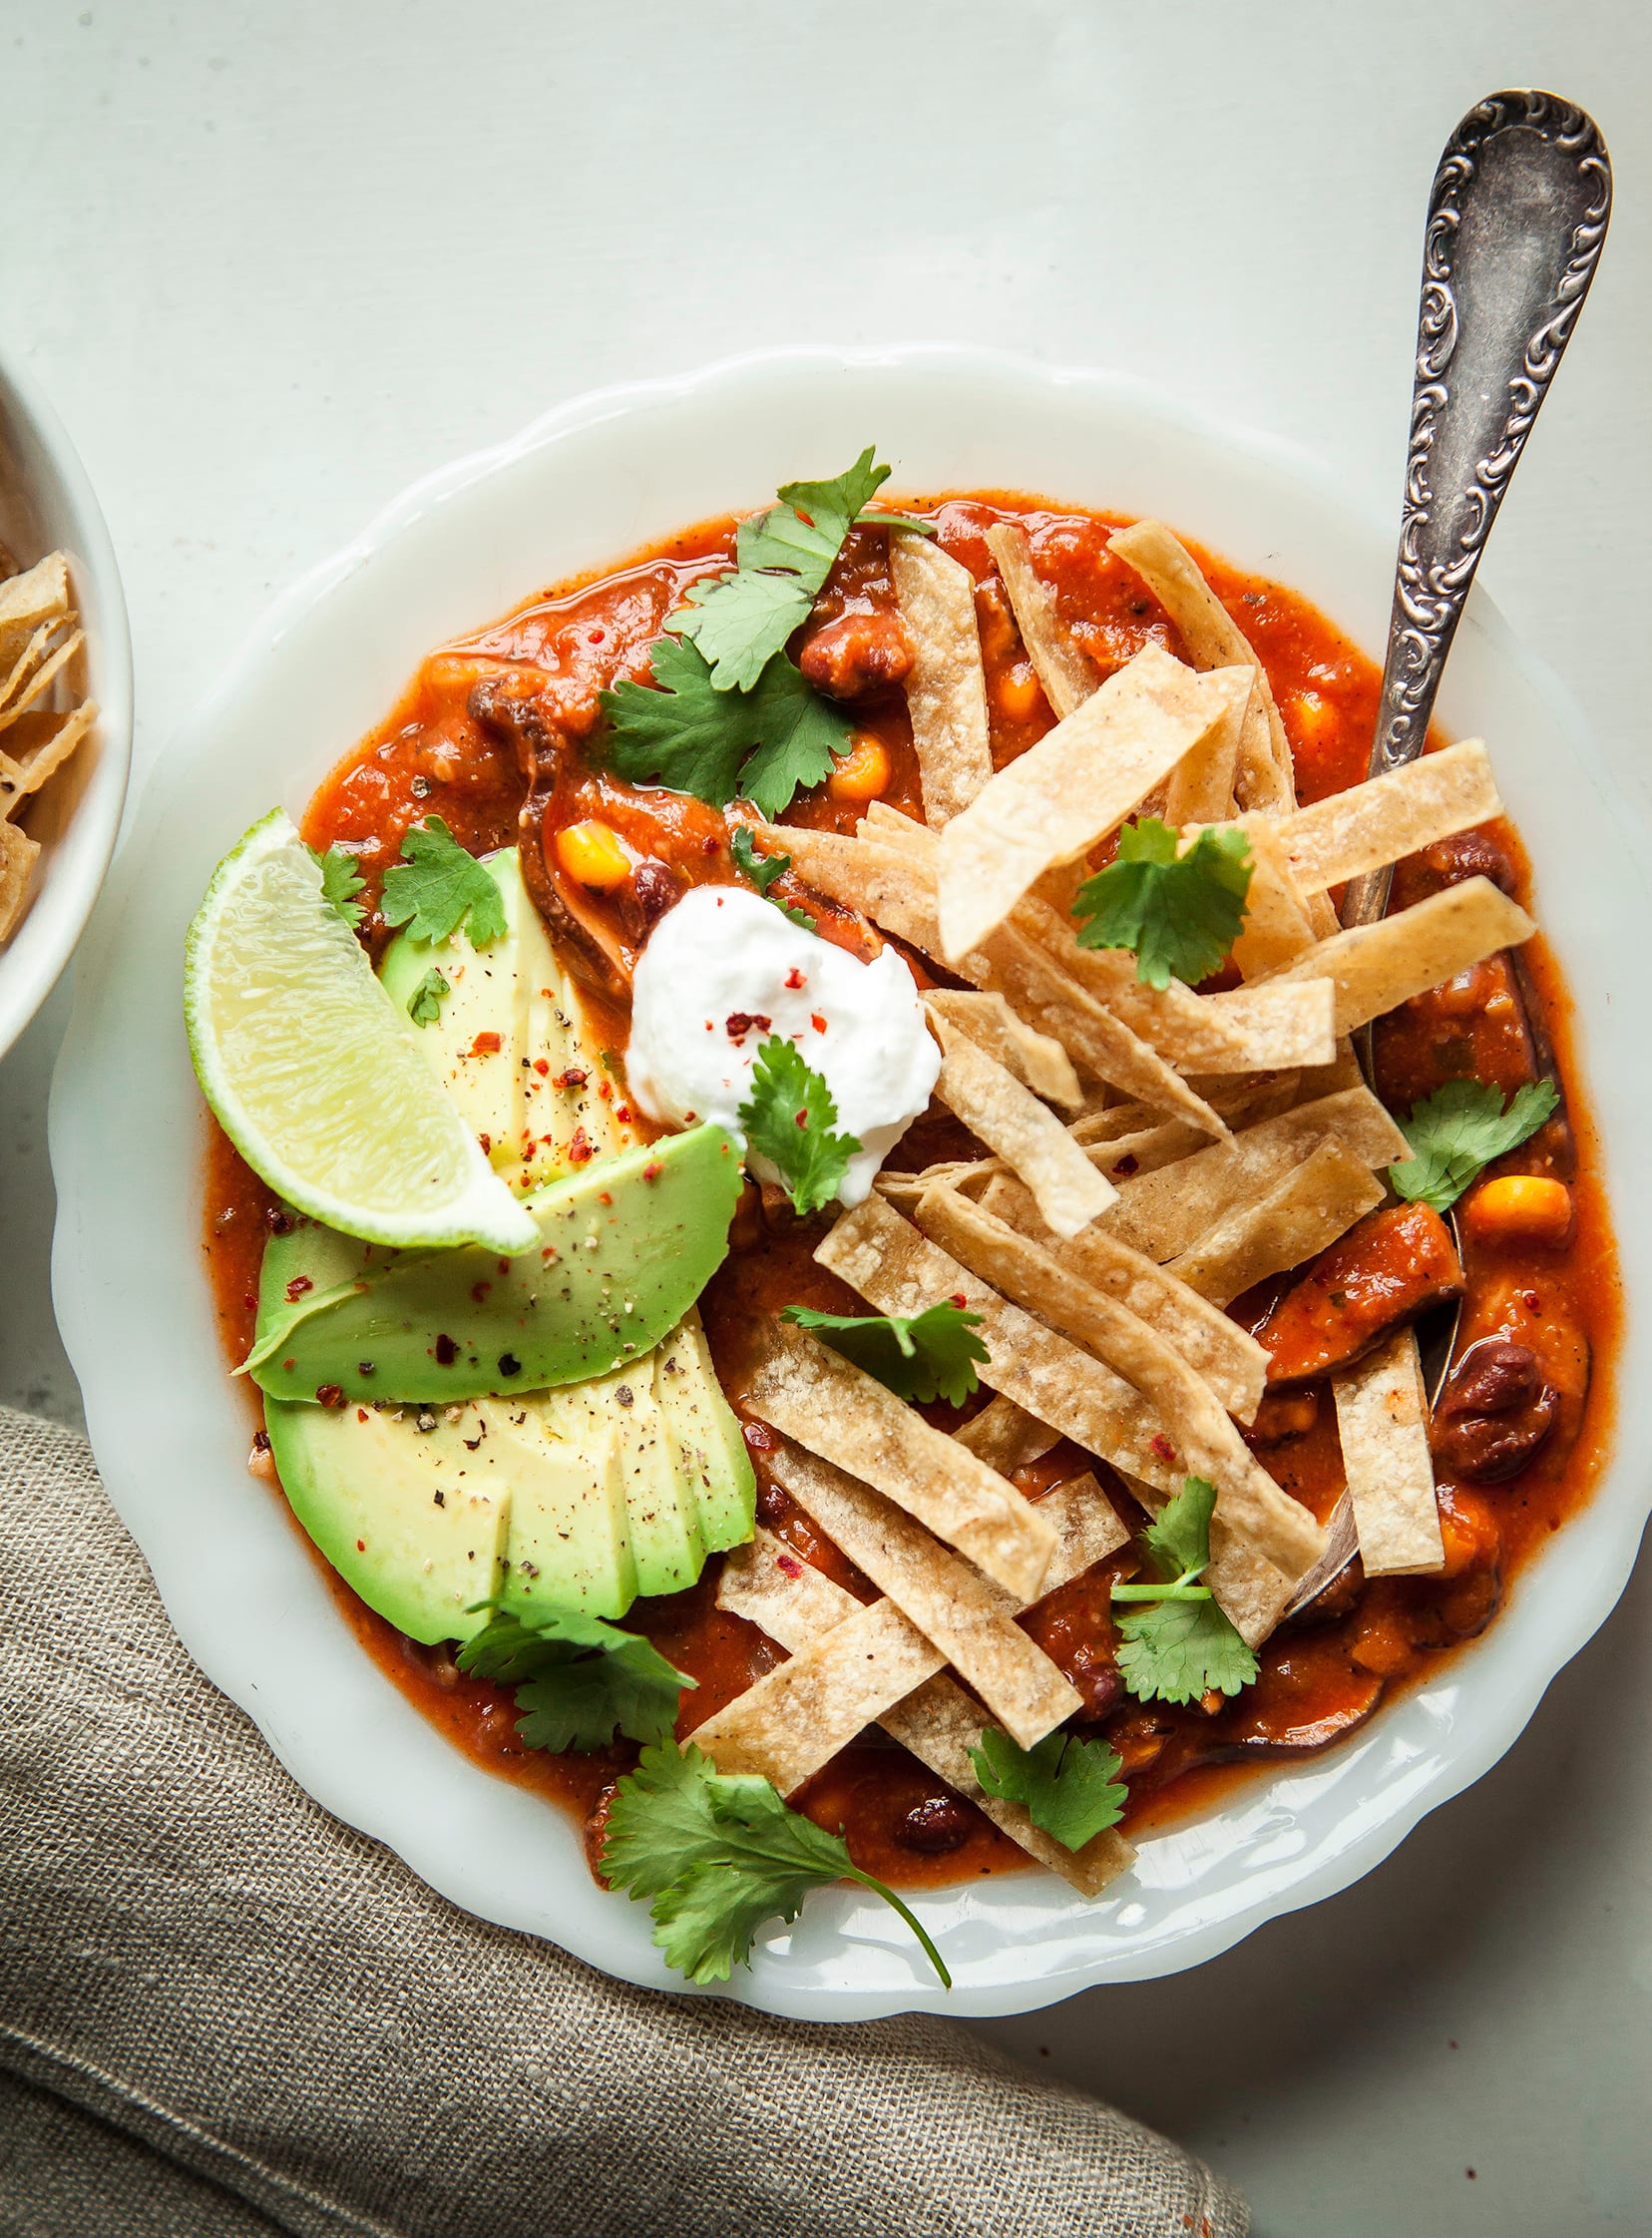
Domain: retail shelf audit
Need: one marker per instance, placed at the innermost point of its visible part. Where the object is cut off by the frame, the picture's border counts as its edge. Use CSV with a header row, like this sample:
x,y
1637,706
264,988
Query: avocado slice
x,y
667,1542
629,1244
569,1537
512,1042
413,1520
711,1453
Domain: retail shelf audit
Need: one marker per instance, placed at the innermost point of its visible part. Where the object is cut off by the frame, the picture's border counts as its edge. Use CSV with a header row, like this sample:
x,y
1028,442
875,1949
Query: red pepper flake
x,y
329,1394
445,1352
803,1119
1531,1301
817,1022
542,1066
653,1170
250,1299
605,1196
739,1022
623,1112
759,1437
580,1151
479,1291
575,1077
595,637
1127,1164
278,1222
789,1564
605,1089
485,1044
711,845
958,1298
549,1255
361,1546
485,1142
795,979
361,1413
1163,1449
296,1288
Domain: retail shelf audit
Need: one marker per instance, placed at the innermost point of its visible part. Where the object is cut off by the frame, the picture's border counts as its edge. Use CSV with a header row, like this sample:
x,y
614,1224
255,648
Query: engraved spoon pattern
x,y
1517,220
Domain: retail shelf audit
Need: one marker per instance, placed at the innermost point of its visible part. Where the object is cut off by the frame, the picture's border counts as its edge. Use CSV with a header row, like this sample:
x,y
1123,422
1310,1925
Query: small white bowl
x,y
47,505
581,488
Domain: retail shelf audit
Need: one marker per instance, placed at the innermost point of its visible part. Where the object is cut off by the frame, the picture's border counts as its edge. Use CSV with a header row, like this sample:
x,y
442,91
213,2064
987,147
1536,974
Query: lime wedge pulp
x,y
312,1070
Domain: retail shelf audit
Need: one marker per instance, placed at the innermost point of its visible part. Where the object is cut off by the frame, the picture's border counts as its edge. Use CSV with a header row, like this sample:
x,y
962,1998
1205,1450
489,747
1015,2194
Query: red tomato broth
x,y
431,755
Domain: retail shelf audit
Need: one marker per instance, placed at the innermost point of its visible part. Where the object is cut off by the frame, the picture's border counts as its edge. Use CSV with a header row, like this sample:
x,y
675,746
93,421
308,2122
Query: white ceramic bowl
x,y
582,487
46,504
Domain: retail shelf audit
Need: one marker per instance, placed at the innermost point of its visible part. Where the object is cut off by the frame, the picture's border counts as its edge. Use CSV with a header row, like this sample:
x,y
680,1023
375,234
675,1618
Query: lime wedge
x,y
315,1076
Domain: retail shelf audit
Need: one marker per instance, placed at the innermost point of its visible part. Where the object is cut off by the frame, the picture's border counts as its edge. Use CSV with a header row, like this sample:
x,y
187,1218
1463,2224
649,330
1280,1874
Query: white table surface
x,y
272,263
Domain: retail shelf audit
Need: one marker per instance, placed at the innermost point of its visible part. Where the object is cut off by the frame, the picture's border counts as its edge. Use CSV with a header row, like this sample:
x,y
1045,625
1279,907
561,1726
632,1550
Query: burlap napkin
x,y
224,2013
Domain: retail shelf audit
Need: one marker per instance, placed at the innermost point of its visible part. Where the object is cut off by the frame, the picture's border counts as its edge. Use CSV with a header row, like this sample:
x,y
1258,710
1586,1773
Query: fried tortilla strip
x,y
1351,832
1026,1133
1378,967
1230,1361
33,653
1276,925
1142,1149
1199,791
1265,777
1252,1593
947,689
1040,1062
814,1395
1077,784
18,853
1007,1437
1299,1216
971,1621
1065,675
1383,1420
41,743
36,600
1166,1212
965,1174
769,1586
40,682
1270,1521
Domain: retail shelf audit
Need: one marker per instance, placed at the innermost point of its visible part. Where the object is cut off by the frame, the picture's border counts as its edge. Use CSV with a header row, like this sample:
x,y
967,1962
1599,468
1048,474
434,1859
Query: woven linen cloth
x,y
222,2012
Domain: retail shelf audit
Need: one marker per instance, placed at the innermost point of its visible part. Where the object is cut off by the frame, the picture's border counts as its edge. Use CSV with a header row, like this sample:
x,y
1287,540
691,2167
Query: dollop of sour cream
x,y
724,970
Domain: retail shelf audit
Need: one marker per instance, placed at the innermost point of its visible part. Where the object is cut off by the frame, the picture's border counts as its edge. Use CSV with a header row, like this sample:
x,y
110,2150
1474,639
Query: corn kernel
x,y
591,853
1018,694
1520,1208
864,771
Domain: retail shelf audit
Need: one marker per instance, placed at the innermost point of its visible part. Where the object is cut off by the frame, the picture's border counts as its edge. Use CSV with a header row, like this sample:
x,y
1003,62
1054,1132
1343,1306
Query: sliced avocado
x,y
512,1041
629,1244
414,1521
570,1537
711,1453
665,1538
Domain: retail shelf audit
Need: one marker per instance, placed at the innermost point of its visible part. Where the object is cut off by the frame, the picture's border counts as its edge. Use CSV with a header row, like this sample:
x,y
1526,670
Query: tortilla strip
x,y
42,680
33,653
1199,791
1266,774
1373,824
1378,967
966,1175
1269,1519
1230,1361
1276,925
1040,1062
940,1723
1143,1150
1063,673
814,1395
947,689
1007,1437
1077,784
17,860
1251,1592
45,743
32,606
1300,1215
1026,1133
1166,1212
970,1620
1383,1420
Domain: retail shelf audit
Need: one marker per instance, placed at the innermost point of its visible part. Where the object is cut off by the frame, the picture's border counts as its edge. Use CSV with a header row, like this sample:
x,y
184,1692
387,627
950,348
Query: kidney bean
x,y
933,1827
857,656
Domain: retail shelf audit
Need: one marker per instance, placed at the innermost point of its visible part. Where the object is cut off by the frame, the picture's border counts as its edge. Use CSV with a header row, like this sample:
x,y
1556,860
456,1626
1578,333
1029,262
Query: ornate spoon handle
x,y
1516,224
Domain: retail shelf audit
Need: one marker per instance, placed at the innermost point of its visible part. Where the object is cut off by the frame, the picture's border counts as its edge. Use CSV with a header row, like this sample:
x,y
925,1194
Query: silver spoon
x,y
1517,220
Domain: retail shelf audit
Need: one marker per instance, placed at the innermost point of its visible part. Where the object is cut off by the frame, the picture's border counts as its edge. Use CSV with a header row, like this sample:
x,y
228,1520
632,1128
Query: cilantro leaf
x,y
1176,1650
1456,1133
1071,1787
424,1004
762,870
741,619
1177,1644
764,743
797,916
437,885
340,883
578,1678
1180,913
918,1356
715,1855
788,1119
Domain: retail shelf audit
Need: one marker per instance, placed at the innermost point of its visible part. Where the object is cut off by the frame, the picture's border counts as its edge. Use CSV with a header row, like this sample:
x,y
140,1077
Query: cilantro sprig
x,y
579,1679
1458,1131
1177,1645
1180,913
765,743
341,884
762,870
740,620
715,1855
918,1356
437,886
788,1118
424,1004
1071,1786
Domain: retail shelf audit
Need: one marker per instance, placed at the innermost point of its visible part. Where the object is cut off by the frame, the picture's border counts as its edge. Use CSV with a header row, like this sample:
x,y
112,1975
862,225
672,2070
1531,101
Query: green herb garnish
x,y
766,742
1180,913
788,1118
424,1004
1071,1786
579,1679
436,887
1177,1644
340,883
1458,1131
919,1356
762,870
